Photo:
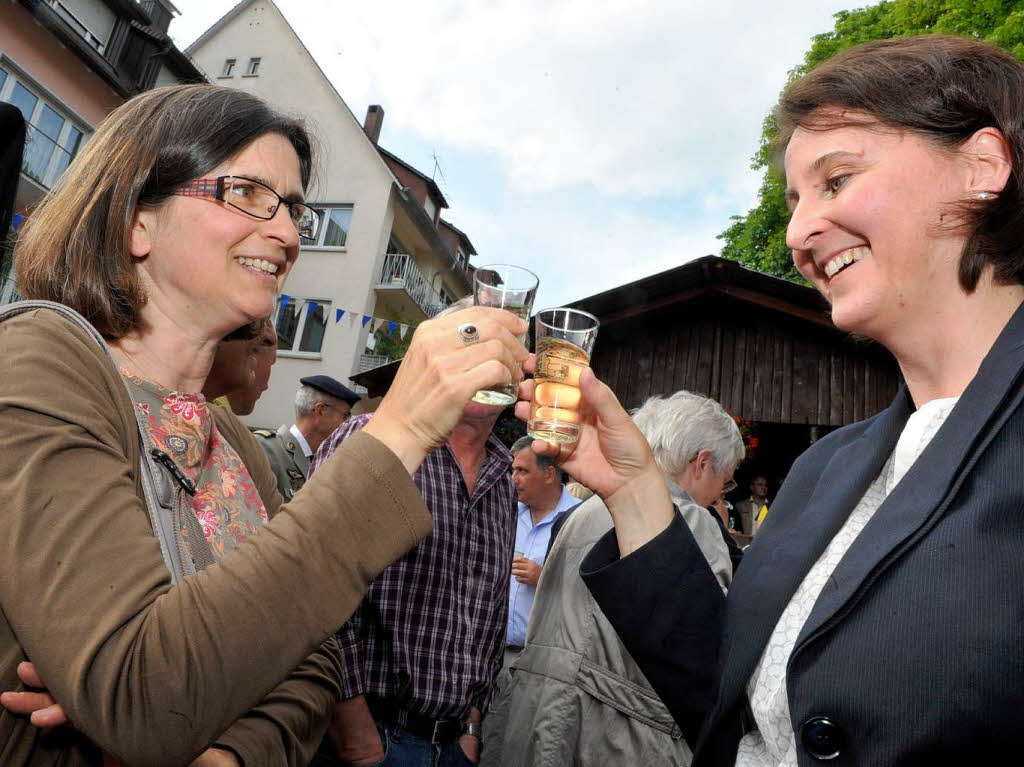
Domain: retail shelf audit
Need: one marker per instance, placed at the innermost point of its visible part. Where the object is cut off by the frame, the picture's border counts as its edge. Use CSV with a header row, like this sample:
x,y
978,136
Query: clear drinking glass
x,y
513,289
564,343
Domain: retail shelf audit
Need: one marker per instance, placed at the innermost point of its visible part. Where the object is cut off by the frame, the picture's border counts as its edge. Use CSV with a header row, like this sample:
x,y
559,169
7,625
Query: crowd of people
x,y
400,588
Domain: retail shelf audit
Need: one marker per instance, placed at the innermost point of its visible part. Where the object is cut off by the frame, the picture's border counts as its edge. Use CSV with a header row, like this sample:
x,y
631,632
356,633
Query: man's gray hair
x,y
307,397
543,461
680,425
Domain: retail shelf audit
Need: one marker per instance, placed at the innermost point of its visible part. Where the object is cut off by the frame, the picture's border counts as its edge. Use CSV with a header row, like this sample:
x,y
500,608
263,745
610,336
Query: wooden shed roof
x,y
709,274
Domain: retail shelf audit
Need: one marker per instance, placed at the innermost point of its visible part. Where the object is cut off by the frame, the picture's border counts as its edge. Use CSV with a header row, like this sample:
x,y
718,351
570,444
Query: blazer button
x,y
822,738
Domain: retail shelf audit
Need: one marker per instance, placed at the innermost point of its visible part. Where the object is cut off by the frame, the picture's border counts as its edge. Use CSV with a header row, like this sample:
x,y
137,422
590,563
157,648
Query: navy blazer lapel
x,y
785,549
923,493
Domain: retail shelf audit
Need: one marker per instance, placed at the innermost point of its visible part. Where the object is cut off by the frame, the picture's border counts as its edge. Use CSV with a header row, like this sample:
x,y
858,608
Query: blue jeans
x,y
402,749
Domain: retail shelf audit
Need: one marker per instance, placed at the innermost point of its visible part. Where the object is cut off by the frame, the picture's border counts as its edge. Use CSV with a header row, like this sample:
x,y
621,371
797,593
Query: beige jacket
x,y
150,672
575,696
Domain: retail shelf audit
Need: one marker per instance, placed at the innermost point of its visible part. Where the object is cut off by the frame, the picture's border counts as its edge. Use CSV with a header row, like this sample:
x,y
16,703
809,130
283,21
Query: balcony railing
x,y
40,150
400,271
371,361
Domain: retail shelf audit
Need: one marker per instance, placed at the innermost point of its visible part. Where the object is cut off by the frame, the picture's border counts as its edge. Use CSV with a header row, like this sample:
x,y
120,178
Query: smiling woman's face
x,y
866,228
211,266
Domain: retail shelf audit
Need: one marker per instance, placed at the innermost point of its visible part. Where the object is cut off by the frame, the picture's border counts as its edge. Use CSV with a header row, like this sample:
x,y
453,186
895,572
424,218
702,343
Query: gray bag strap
x,y
157,487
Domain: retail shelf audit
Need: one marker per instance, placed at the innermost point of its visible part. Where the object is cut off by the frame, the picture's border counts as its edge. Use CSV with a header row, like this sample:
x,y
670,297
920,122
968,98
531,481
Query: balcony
x,y
402,276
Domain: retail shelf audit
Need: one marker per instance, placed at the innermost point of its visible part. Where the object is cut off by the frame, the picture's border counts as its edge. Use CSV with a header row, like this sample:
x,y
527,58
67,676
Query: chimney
x,y
374,121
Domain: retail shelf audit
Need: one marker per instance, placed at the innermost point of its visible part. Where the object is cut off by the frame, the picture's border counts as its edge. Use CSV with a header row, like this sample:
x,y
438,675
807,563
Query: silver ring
x,y
469,334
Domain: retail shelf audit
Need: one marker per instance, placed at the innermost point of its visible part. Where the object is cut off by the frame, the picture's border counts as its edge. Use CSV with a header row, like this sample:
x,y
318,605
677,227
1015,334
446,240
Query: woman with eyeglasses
x,y
878,617
176,225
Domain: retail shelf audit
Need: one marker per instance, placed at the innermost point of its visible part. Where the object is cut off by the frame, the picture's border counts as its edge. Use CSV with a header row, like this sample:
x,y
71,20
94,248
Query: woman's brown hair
x,y
74,247
944,89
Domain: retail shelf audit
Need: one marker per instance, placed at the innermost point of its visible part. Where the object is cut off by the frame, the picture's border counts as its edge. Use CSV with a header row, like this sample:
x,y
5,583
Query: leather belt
x,y
439,732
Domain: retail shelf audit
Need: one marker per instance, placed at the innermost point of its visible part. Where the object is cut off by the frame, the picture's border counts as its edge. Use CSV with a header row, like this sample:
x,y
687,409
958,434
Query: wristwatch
x,y
471,728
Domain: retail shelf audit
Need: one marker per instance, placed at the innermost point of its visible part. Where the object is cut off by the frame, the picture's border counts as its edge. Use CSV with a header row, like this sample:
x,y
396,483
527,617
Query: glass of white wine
x,y
513,289
564,343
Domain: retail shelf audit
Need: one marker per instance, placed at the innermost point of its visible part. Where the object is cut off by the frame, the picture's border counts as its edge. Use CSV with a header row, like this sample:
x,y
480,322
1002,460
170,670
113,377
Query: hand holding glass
x,y
564,343
512,289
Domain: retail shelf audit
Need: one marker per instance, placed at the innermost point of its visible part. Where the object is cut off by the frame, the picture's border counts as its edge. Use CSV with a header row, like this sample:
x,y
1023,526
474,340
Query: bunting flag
x,y
403,328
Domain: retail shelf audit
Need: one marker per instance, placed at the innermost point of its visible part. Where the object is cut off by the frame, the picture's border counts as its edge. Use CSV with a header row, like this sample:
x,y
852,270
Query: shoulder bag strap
x,y
157,488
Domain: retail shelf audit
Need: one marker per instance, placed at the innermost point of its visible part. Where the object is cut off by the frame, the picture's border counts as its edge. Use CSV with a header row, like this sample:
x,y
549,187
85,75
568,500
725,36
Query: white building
x,y
382,250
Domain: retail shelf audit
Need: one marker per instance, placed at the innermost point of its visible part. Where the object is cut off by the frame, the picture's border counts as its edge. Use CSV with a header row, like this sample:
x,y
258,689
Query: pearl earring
x,y
983,195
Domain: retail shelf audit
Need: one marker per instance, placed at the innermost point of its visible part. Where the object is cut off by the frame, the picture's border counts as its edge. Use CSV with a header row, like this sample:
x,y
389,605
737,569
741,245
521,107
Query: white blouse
x,y
773,743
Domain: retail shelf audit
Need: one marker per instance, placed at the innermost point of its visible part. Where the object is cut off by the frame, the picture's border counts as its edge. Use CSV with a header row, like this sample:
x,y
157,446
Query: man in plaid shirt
x,y
423,650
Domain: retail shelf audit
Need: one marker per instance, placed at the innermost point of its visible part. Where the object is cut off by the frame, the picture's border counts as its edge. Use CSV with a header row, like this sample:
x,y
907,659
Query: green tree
x,y
758,239
393,346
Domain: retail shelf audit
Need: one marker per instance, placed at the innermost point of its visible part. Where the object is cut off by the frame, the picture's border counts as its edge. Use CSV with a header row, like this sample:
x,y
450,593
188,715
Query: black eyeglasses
x,y
254,199
344,416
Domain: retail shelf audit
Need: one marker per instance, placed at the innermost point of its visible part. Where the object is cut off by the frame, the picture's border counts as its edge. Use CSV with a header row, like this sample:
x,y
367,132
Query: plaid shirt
x,y
430,633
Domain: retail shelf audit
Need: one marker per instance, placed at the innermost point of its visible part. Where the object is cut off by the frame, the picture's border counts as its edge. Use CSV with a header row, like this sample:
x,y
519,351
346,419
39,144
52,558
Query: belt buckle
x,y
435,738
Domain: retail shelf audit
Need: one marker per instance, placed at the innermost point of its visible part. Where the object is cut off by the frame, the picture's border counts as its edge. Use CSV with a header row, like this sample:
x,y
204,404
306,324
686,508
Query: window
x,y
229,66
460,259
334,225
92,20
51,139
254,67
301,325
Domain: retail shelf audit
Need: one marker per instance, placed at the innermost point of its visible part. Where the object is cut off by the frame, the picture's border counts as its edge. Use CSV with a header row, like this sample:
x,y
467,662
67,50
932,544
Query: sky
x,y
593,142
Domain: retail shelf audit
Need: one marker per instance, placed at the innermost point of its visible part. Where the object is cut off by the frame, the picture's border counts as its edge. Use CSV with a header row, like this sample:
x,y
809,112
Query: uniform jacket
x,y
913,653
747,511
287,460
151,672
575,696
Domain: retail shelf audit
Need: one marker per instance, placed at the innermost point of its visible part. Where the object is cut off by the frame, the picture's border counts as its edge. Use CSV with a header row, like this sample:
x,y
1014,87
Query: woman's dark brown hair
x,y
944,89
74,248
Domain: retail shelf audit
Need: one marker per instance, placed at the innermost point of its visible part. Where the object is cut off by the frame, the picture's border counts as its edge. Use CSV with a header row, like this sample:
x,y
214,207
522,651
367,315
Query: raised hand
x,y
613,459
440,374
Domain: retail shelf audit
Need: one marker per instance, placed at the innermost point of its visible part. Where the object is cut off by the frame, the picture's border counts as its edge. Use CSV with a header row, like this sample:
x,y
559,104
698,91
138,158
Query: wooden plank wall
x,y
761,364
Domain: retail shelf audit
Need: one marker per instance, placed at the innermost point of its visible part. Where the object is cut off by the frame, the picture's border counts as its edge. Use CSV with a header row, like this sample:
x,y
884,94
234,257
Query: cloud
x,y
641,98
597,142
577,251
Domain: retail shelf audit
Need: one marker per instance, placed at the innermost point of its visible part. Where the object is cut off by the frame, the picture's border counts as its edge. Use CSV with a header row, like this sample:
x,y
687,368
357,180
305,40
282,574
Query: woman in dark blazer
x,y
878,618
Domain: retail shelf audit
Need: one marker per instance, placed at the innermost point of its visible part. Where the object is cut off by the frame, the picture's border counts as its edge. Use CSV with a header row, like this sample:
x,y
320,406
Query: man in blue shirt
x,y
542,501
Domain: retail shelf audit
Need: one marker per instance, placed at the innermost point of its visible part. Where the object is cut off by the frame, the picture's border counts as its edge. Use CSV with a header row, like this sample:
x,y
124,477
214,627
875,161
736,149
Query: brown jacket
x,y
150,672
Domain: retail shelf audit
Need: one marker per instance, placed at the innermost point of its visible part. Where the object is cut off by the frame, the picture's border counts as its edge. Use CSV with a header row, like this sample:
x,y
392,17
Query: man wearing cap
x,y
321,406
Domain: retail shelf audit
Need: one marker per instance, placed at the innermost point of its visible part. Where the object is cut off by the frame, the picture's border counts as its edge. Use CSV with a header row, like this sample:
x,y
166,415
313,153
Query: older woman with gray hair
x,y
575,695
